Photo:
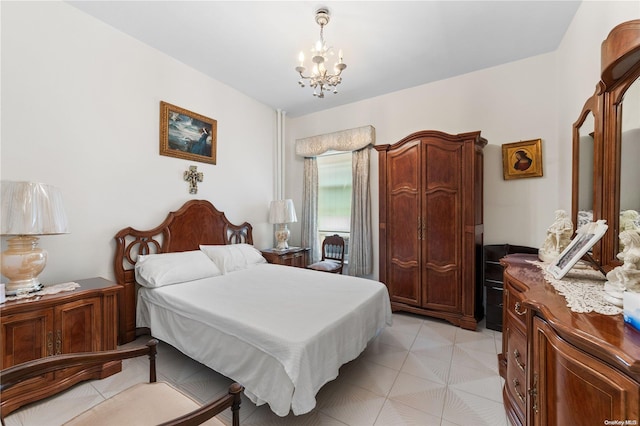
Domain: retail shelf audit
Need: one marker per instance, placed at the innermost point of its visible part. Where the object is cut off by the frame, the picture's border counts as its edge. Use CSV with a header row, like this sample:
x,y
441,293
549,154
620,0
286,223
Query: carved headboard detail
x,y
196,222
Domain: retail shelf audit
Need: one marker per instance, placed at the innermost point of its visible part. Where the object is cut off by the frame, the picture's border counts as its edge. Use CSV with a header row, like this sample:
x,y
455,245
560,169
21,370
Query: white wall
x,y
538,97
80,110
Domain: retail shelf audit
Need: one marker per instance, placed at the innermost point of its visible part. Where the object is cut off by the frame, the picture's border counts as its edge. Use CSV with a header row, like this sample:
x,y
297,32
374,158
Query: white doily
x,y
51,289
582,288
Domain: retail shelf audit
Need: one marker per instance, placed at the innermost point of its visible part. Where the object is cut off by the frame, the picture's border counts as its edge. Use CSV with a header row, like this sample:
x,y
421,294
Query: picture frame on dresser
x,y
187,135
586,237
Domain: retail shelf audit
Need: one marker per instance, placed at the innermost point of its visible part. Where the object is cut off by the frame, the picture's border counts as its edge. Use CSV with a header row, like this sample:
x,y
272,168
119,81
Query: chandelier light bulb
x,y
301,58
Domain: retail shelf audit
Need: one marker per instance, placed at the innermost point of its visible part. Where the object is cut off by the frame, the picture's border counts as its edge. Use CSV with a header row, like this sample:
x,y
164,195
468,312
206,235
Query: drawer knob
x,y
58,342
50,343
516,356
518,309
516,385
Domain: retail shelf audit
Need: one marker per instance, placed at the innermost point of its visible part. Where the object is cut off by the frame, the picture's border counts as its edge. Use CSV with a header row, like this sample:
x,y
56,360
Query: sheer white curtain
x,y
358,141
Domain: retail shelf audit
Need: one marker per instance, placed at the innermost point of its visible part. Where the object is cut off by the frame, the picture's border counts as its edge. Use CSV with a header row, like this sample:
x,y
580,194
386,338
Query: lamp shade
x,y
30,208
282,211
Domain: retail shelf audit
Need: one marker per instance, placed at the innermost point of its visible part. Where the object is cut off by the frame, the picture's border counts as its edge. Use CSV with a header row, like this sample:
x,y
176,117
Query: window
x,y
334,196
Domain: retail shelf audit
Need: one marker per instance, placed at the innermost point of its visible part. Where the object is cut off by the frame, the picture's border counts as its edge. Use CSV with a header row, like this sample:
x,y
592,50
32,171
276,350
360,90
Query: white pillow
x,y
157,270
234,257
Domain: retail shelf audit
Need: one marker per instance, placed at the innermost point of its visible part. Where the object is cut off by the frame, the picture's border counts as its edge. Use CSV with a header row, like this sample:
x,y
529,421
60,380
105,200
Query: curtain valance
x,y
344,140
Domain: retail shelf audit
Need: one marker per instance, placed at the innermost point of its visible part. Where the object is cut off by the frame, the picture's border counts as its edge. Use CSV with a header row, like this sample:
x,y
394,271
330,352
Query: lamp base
x,y
24,289
22,262
282,237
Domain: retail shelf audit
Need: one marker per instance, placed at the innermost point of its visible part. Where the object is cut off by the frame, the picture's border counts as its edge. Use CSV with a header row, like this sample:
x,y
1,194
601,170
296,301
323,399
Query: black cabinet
x,y
493,280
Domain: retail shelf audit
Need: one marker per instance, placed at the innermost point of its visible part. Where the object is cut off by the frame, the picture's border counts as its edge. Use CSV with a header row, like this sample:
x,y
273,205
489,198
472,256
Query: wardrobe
x,y
431,229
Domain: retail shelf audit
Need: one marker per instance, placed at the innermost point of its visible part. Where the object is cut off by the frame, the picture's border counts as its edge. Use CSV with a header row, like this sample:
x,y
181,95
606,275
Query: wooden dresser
x,y
294,256
431,227
82,320
562,367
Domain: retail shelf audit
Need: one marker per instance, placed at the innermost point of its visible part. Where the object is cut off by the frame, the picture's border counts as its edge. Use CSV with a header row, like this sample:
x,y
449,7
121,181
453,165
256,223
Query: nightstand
x,y
81,320
293,256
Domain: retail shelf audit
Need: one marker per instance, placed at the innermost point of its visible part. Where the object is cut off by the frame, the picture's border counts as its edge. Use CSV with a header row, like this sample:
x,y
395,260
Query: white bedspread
x,y
281,332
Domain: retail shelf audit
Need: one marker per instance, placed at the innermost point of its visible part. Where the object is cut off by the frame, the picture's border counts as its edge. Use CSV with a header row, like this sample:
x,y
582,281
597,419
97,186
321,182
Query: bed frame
x,y
196,222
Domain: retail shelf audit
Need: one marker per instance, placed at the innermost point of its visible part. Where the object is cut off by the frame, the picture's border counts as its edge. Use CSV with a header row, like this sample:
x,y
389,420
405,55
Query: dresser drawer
x,y
514,308
516,382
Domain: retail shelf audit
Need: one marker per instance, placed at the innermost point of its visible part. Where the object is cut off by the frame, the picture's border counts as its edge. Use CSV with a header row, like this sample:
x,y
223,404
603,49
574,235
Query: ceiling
x,y
253,46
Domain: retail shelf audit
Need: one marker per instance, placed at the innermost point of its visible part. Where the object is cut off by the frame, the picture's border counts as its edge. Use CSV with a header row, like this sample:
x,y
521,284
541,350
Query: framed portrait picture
x,y
187,135
522,159
585,238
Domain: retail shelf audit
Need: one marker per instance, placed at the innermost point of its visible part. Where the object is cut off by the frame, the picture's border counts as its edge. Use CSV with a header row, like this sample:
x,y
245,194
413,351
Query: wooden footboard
x,y
196,222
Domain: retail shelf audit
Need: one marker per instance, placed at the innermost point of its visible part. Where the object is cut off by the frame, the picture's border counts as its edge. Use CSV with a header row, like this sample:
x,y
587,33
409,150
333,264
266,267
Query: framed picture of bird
x,y
187,135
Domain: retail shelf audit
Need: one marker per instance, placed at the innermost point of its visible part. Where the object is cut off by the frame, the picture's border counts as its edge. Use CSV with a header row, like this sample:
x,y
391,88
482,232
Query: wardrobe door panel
x,y
442,236
403,216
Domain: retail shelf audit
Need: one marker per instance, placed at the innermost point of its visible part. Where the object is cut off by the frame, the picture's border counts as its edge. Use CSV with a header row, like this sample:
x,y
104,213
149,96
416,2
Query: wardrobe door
x,y
403,224
442,215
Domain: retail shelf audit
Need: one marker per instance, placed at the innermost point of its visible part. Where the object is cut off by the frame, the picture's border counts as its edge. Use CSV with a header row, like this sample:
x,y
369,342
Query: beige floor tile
x,y
397,338
56,410
463,356
386,355
467,409
134,371
263,416
369,375
485,345
475,382
424,395
349,404
397,414
433,368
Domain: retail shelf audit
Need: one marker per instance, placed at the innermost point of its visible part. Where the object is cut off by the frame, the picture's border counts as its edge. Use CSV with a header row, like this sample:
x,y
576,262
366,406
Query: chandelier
x,y
320,79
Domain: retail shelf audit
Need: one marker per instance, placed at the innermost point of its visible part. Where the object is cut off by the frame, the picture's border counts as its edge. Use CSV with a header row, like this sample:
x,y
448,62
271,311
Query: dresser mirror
x,y
629,160
583,154
606,145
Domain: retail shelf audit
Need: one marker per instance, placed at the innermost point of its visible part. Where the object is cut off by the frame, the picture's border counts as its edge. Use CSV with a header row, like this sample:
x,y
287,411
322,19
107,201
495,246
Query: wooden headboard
x,y
196,222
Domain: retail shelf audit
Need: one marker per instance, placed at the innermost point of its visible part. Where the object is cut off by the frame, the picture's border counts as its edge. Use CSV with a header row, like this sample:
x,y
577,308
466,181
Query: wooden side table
x,y
81,320
293,256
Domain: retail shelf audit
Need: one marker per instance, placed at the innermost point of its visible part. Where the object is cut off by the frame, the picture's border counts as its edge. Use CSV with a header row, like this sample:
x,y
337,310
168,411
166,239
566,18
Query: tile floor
x,y
418,372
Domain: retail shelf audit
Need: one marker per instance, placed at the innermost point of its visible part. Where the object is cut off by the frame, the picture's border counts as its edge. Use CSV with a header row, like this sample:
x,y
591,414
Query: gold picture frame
x,y
522,159
187,135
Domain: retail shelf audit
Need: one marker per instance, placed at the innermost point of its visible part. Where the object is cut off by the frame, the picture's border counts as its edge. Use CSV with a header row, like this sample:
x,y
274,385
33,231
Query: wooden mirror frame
x,y
594,106
620,67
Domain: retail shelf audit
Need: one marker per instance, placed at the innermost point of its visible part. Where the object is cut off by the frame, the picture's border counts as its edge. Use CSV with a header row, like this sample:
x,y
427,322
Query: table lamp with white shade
x,y
281,213
28,210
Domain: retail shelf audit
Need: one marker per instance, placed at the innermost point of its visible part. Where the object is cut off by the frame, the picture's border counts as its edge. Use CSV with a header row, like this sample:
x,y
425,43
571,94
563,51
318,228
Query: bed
x,y
197,283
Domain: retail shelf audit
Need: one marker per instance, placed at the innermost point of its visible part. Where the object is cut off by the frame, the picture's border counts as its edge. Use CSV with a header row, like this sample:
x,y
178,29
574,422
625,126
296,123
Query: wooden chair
x,y
153,403
332,255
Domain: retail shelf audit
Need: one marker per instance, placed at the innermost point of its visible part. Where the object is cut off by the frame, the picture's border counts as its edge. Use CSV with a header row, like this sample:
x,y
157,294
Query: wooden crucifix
x,y
193,177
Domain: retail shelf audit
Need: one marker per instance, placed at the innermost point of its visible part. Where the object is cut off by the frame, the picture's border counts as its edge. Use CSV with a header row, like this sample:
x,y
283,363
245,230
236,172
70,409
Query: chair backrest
x,y
333,248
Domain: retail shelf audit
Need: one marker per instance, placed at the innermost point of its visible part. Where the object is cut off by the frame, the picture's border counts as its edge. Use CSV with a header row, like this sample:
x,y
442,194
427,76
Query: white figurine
x,y
627,276
558,237
629,220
